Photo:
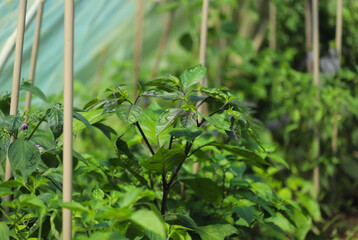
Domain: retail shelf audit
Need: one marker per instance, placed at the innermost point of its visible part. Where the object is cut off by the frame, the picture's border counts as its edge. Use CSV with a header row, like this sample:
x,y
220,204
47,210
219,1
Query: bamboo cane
x,y
16,79
316,84
308,31
339,55
34,52
272,41
10,42
138,43
202,59
67,117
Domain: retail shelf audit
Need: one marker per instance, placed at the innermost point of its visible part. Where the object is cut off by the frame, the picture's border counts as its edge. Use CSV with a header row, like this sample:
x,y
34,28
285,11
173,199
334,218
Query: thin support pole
x,y
16,78
308,31
67,116
202,59
339,55
138,43
10,42
34,52
316,84
272,41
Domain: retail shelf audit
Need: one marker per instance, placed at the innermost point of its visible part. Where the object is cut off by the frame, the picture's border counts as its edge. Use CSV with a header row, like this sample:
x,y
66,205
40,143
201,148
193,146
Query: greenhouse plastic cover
x,y
99,25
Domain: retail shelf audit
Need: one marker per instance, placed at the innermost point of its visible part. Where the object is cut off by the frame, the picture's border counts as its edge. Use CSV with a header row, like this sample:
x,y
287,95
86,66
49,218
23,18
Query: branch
x,y
144,138
35,129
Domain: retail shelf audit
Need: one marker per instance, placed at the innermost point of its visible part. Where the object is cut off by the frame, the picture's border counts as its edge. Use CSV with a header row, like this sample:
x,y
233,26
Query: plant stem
x,y
144,138
165,194
35,129
175,124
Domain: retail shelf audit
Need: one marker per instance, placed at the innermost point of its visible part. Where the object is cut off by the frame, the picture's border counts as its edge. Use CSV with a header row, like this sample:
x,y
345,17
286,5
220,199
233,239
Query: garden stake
x,y
339,55
202,59
10,43
335,114
316,84
138,43
163,42
308,30
67,118
34,52
16,79
272,19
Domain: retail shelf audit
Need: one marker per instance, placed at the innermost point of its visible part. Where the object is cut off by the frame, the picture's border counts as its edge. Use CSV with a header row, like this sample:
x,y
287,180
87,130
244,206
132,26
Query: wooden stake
x,y
35,48
10,42
316,84
16,79
138,43
272,20
339,29
202,59
67,117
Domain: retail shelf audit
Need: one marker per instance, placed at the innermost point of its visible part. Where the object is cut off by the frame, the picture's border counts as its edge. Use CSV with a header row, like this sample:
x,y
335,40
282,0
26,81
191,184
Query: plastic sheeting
x,y
99,25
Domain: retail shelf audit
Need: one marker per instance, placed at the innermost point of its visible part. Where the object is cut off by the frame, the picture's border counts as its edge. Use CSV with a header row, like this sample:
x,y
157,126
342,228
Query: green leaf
x,y
166,119
5,192
188,119
5,141
74,206
241,152
34,90
97,193
188,134
106,130
165,84
127,161
4,231
55,120
24,157
143,217
205,188
79,117
218,120
164,160
216,231
92,117
192,76
46,142
245,212
12,123
129,113
5,104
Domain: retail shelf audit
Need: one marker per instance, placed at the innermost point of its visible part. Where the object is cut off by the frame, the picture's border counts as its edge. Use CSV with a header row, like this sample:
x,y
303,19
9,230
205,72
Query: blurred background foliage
x,y
273,82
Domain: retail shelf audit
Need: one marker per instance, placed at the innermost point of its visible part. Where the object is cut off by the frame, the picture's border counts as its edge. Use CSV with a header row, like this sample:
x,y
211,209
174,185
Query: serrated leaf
x,y
129,113
192,76
166,119
164,160
24,157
